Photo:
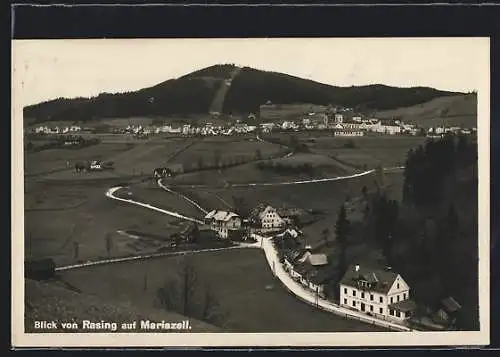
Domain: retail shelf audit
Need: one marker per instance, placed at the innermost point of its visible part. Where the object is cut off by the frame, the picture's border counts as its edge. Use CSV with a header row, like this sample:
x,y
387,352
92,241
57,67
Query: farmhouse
x,y
223,223
268,219
378,292
96,165
311,270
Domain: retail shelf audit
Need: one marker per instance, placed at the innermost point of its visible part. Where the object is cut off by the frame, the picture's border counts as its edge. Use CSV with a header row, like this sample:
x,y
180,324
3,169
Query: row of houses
x,y
44,129
379,292
207,129
441,130
355,126
262,219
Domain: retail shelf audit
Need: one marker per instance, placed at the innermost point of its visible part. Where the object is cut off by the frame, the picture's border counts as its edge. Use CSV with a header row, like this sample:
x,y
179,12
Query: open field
x,y
59,301
255,303
228,148
59,214
46,161
371,151
458,110
130,159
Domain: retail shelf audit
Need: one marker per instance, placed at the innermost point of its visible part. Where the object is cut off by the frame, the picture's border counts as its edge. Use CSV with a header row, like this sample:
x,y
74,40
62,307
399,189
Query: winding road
x,y
271,253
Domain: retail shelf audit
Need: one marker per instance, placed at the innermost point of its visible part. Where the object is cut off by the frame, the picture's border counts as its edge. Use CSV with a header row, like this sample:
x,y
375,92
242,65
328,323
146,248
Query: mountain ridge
x,y
248,88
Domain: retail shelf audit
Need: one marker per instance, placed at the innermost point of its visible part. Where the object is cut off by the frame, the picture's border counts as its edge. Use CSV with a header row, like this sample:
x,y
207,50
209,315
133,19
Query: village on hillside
x,y
342,122
377,291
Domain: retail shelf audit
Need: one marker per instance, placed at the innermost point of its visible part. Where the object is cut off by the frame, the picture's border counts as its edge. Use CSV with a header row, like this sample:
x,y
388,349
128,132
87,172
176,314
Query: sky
x,y
48,69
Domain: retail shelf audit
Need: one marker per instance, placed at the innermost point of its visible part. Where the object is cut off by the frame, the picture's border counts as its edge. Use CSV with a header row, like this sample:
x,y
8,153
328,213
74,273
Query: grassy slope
x,y
49,232
53,301
451,110
250,297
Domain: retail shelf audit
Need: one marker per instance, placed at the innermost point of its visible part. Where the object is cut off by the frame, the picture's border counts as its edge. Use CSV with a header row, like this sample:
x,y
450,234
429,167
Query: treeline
x,y
429,166
284,169
291,141
431,236
182,96
251,88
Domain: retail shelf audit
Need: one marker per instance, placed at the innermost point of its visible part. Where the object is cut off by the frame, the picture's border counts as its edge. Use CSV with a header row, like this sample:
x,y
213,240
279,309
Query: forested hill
x,y
252,87
194,93
441,184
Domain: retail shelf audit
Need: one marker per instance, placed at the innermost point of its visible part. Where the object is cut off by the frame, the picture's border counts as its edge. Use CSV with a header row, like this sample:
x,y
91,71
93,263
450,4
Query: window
x,y
354,293
371,297
371,307
391,299
391,312
398,314
381,299
345,290
397,298
345,301
398,285
381,310
404,296
362,295
354,303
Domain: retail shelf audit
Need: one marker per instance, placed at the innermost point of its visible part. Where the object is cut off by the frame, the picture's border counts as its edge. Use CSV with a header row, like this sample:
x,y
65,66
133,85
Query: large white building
x,y
223,222
377,292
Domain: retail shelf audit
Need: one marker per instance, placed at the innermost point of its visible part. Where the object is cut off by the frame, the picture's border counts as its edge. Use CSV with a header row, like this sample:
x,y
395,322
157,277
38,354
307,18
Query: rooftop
x,y
318,259
450,304
403,306
220,215
380,280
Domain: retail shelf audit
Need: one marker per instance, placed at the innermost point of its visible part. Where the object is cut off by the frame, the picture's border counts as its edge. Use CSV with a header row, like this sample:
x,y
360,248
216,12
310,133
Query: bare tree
x,y
186,292
109,244
76,250
325,234
188,281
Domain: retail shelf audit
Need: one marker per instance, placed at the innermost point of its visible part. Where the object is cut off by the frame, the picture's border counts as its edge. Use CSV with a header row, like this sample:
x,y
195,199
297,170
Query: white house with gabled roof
x,y
271,220
223,222
377,292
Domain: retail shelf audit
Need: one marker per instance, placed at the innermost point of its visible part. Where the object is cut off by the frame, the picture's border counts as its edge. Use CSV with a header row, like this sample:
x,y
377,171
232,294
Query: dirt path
x,y
220,95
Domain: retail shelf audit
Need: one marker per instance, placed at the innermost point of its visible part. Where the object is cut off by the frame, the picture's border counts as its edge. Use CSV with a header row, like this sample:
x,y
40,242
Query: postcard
x,y
250,192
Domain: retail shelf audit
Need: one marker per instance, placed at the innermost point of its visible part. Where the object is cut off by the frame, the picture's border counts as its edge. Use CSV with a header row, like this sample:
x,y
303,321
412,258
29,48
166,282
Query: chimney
x,y
356,267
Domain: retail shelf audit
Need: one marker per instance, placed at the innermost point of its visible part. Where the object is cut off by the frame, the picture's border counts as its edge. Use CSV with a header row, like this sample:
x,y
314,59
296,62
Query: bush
x,y
350,144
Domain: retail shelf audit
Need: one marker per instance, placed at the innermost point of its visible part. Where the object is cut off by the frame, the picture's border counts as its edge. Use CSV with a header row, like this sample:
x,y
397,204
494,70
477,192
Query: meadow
x,y
255,303
59,214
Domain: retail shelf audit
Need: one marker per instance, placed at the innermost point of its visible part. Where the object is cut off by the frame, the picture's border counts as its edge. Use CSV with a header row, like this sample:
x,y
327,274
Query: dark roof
x,y
404,306
381,280
293,255
450,304
320,276
303,268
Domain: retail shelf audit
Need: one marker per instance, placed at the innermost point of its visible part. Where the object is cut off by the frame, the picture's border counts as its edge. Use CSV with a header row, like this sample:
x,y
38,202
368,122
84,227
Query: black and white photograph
x,y
258,191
